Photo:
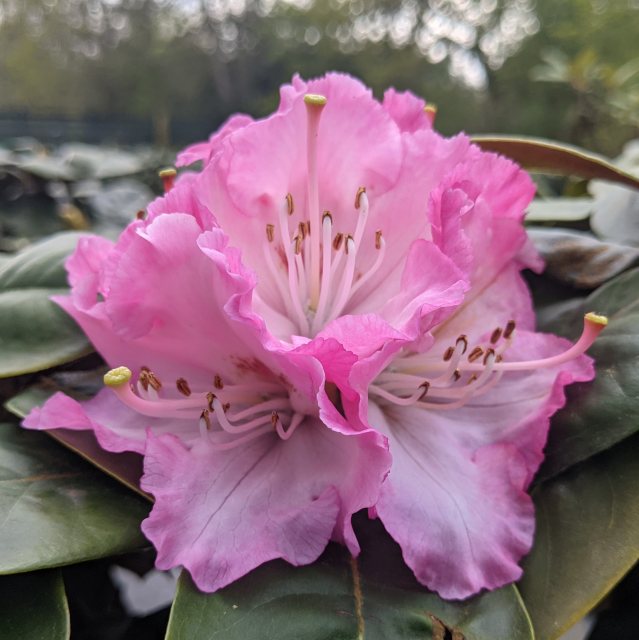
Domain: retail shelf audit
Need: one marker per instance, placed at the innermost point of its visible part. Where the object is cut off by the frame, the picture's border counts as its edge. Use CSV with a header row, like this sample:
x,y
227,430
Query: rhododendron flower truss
x,y
341,248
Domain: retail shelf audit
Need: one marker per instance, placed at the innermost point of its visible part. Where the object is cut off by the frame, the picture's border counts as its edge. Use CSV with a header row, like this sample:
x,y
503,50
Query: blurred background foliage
x,y
169,71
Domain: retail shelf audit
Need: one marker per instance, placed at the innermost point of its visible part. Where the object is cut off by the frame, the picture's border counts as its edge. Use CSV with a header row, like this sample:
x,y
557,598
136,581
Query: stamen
x,y
225,423
495,335
270,232
168,178
380,244
140,215
337,241
431,111
420,393
204,422
378,239
290,205
183,387
448,354
314,107
510,328
358,196
295,422
475,354
217,382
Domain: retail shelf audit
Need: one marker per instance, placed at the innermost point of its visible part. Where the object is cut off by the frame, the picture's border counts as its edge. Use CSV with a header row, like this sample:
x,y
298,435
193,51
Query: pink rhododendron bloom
x,y
341,248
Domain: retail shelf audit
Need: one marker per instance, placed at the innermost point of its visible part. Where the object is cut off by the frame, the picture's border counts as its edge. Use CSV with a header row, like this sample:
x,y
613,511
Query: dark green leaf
x,y
33,606
373,598
602,412
126,467
55,509
35,333
587,538
537,154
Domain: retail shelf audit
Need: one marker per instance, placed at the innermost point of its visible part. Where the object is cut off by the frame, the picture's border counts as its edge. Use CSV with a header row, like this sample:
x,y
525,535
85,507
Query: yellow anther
x,y
169,172
595,318
314,99
117,377
430,108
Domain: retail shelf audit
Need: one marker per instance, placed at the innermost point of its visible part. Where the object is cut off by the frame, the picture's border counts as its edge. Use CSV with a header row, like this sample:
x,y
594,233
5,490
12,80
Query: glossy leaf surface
x,y
55,509
373,598
33,606
587,538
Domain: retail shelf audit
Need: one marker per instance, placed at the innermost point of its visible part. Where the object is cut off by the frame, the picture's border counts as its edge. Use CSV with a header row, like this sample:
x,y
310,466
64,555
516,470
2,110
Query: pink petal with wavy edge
x,y
204,151
222,513
407,110
459,477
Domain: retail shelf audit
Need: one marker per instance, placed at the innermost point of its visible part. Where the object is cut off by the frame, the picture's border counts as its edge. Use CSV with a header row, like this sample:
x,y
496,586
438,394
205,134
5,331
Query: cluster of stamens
x,y
462,373
313,265
227,415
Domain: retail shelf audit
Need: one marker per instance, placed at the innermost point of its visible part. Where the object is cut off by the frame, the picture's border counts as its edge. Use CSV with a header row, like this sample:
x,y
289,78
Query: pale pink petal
x,y
407,110
204,151
459,477
116,426
222,513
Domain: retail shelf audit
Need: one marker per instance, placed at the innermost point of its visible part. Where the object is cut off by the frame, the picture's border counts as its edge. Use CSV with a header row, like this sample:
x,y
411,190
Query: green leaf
x,y
55,509
35,333
33,606
587,538
372,598
40,265
125,467
600,413
537,154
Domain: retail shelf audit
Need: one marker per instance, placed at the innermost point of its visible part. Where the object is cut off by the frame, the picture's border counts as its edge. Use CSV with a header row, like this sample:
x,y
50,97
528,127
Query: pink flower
x,y
339,247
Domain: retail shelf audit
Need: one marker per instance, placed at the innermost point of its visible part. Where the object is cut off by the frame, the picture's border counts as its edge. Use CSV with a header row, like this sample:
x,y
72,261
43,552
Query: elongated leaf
x,y
602,412
537,154
579,259
55,509
35,333
587,538
373,598
125,467
33,606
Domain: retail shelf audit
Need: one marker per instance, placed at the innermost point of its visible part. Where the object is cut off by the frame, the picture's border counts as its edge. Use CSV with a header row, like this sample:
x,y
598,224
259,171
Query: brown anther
x,y
510,327
378,239
298,245
337,241
217,382
358,197
148,379
326,214
226,406
489,353
141,214
301,230
499,358
448,354
456,375
183,387
275,418
290,205
348,237
475,354
209,400
270,232
472,379
463,339
207,420
495,335
308,227
425,387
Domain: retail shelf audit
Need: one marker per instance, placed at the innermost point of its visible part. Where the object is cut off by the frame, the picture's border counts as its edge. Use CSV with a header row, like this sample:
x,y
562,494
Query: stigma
x,y
226,415
466,371
318,268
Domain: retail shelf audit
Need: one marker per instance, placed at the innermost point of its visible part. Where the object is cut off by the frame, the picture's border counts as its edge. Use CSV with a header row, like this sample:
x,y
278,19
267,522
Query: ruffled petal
x,y
407,110
222,513
116,426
